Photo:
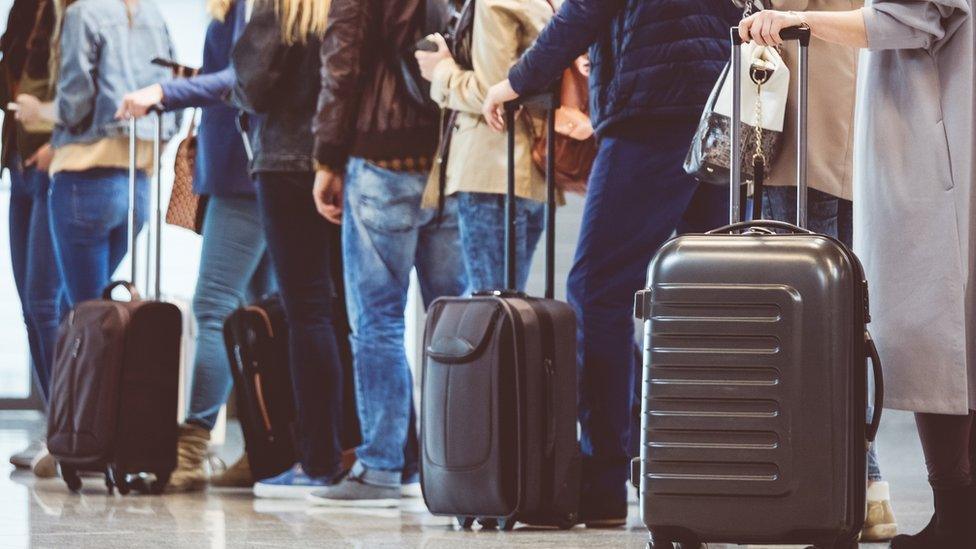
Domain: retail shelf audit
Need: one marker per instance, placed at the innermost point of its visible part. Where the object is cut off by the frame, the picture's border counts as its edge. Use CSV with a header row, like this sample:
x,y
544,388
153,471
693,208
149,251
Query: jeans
x,y
385,234
832,216
299,241
638,196
234,269
481,219
89,223
35,269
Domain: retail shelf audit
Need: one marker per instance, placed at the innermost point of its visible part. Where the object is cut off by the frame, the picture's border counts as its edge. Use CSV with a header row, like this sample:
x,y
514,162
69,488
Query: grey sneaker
x,y
353,491
24,458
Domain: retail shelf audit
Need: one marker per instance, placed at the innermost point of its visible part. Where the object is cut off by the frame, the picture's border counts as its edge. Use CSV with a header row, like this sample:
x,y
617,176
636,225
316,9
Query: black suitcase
x,y
755,384
115,380
498,414
256,338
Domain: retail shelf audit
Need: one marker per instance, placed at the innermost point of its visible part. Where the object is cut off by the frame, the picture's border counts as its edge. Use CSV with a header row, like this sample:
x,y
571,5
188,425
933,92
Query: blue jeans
x,y
234,269
832,216
638,196
35,268
89,224
300,244
481,218
385,234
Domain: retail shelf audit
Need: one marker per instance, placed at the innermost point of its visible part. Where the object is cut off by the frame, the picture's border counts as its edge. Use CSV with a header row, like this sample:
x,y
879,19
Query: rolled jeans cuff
x,y
389,479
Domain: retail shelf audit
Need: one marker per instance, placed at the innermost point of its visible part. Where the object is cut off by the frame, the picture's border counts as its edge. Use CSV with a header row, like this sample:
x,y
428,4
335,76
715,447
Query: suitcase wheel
x,y
159,485
465,522
507,525
568,521
71,478
116,477
660,544
488,523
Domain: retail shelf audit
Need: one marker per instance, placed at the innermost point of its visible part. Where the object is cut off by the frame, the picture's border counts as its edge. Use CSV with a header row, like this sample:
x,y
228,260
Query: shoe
x,y
603,515
24,458
237,475
353,491
44,465
410,486
950,525
292,484
879,523
191,452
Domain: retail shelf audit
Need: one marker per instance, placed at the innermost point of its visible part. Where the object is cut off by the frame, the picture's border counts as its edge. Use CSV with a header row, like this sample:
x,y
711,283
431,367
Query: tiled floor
x,y
43,514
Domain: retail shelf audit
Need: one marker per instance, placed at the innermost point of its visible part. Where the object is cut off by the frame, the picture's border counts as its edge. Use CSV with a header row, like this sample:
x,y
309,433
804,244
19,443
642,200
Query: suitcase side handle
x,y
875,358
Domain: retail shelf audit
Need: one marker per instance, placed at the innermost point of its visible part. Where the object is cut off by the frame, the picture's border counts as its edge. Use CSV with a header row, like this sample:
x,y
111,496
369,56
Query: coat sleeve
x,y
258,61
500,26
894,25
80,47
573,29
341,53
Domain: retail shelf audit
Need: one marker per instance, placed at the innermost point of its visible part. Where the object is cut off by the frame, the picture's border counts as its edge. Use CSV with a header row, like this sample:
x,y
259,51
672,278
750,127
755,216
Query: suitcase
x,y
256,338
113,405
755,378
499,394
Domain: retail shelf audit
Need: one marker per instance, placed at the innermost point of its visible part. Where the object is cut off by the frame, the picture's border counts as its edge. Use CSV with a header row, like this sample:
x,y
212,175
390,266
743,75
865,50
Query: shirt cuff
x,y
440,83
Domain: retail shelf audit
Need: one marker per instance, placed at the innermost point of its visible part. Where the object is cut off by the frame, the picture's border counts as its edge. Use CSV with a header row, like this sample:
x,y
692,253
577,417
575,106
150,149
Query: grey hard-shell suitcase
x,y
115,380
755,378
498,414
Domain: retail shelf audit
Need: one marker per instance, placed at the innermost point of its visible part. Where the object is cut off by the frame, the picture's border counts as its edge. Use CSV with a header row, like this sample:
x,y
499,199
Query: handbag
x,y
575,145
186,208
439,16
765,85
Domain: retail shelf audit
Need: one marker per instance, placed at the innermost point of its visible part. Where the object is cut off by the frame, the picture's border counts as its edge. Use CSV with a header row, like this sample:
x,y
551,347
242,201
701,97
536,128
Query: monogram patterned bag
x,y
186,208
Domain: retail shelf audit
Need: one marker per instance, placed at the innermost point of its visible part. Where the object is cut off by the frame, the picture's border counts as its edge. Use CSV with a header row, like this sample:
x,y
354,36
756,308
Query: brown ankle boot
x,y
237,475
191,452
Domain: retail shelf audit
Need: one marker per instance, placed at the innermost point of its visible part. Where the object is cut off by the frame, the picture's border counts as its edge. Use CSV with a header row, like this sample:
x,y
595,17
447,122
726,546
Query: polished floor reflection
x,y
42,513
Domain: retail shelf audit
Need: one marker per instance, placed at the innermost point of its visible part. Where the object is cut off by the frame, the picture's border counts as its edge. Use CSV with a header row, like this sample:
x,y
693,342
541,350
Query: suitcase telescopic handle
x,y
802,36
155,223
549,102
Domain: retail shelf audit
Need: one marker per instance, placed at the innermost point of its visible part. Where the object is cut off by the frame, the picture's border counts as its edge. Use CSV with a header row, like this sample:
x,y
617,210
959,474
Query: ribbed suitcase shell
x,y
754,390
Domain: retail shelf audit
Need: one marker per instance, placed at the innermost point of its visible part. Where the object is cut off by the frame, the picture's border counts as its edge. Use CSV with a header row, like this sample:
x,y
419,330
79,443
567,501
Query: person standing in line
x,y
103,48
276,62
477,158
374,147
654,63
914,224
26,47
831,212
234,264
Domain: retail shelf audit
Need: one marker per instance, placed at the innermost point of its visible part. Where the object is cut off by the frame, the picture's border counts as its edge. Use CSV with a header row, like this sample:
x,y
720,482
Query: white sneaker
x,y
24,458
879,523
411,490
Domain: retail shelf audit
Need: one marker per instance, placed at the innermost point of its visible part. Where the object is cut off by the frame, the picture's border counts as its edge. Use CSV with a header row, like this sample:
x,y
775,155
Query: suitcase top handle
x,y
760,224
129,287
802,36
549,102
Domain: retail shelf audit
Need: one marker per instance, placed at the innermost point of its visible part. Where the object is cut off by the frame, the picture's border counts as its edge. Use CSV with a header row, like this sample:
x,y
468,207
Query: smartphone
x,y
179,70
426,44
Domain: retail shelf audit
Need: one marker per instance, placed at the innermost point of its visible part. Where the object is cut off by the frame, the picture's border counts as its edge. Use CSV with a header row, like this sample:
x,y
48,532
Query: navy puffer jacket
x,y
650,58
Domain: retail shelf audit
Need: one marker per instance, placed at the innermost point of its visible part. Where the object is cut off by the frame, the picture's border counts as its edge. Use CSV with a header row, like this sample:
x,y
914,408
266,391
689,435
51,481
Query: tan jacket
x,y
833,75
503,30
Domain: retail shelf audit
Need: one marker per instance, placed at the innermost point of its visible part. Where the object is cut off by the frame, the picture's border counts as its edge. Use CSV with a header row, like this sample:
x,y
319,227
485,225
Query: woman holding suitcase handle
x,y
918,75
234,264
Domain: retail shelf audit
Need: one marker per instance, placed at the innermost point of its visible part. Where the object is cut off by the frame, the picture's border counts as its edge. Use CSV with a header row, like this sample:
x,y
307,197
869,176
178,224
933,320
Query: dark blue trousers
x,y
638,196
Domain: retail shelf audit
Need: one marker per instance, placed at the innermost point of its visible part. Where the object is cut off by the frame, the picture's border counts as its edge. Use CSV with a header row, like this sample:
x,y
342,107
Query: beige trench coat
x,y
833,76
913,201
478,161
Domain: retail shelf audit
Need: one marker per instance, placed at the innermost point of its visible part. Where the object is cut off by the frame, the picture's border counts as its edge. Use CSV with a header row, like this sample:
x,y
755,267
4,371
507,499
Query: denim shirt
x,y
103,57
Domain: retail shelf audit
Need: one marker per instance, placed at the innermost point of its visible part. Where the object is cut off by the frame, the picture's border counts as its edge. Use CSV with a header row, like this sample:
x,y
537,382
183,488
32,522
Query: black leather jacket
x,y
363,110
277,85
